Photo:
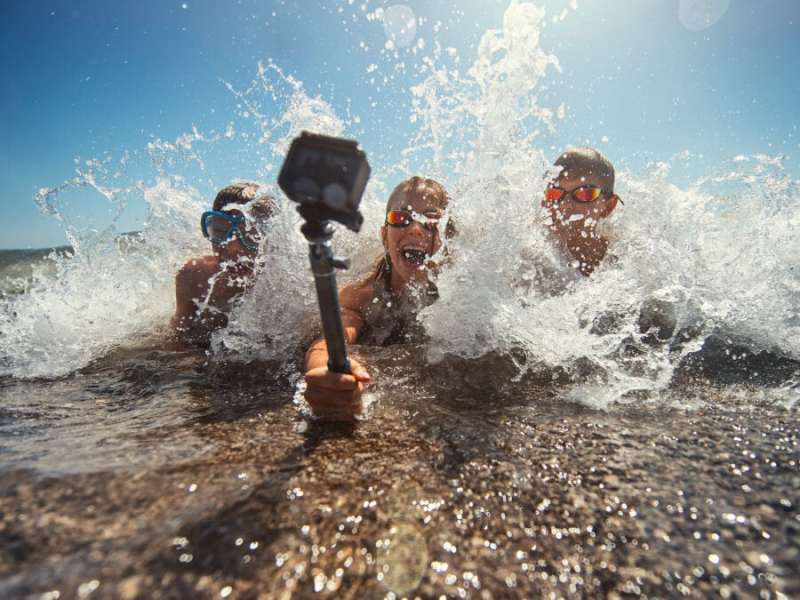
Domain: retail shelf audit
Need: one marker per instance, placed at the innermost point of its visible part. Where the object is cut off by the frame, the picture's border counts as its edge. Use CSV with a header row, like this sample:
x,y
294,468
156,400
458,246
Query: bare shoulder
x,y
357,294
197,269
192,279
354,298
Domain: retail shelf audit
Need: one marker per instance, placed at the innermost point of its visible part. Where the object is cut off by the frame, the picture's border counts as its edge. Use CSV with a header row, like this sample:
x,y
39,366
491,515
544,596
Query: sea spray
x,y
684,263
715,256
272,317
278,316
482,127
707,263
109,290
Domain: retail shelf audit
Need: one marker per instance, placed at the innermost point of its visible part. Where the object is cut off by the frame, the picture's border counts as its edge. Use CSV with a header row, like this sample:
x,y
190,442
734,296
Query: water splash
x,y
109,290
278,315
695,261
682,269
714,256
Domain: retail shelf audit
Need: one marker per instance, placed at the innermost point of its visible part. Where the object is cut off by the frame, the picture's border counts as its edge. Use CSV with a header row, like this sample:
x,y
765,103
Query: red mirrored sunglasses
x,y
404,218
584,194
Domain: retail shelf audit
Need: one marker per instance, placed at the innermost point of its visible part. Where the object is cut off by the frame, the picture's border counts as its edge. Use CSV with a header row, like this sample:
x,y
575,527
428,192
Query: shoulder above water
x,y
358,293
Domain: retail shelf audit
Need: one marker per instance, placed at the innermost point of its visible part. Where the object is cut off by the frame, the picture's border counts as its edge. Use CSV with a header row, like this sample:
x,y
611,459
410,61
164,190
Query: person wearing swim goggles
x,y
578,201
206,286
412,254
404,218
374,307
220,227
580,197
584,194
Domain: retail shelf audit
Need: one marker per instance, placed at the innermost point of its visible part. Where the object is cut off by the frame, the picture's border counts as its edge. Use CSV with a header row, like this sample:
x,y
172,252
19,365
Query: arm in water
x,y
337,396
186,288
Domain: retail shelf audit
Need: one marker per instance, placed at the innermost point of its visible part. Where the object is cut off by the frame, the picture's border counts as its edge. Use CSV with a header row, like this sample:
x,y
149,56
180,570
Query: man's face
x,y
570,215
256,216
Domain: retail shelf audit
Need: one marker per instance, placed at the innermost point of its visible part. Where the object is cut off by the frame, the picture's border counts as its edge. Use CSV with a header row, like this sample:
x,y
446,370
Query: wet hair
x,y
421,187
587,161
242,193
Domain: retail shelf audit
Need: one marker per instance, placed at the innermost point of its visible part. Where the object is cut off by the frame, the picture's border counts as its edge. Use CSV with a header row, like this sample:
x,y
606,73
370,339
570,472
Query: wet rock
x,y
13,549
426,484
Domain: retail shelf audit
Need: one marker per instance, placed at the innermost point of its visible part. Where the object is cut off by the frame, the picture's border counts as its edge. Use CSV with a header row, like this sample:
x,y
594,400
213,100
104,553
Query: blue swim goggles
x,y
220,227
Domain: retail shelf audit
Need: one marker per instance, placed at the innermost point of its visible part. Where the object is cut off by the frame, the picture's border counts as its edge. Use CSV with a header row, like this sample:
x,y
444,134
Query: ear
x,y
609,206
383,236
450,230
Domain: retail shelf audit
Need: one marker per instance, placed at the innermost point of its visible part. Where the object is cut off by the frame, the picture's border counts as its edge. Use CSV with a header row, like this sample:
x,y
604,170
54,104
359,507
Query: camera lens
x,y
335,196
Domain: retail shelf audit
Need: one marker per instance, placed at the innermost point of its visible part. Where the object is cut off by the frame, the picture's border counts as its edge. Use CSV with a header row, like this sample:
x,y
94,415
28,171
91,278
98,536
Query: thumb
x,y
361,375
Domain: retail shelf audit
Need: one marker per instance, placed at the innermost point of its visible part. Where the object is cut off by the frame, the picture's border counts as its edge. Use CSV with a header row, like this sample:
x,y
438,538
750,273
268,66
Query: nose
x,y
423,232
417,228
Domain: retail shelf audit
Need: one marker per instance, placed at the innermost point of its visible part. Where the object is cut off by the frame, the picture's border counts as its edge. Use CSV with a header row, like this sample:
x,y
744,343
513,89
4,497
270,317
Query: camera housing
x,y
326,176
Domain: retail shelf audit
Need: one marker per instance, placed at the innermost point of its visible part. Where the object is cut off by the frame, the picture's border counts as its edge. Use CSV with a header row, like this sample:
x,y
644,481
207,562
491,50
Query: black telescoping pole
x,y
323,266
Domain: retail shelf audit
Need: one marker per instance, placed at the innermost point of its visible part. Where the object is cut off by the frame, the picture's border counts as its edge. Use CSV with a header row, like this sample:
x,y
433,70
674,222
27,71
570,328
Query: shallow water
x,y
153,474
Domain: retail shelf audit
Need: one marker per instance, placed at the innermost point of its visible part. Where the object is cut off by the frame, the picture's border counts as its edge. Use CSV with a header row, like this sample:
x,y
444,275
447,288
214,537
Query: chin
x,y
419,276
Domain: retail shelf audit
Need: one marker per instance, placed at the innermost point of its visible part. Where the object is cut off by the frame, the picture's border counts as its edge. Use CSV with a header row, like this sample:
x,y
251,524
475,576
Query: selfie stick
x,y
326,176
323,266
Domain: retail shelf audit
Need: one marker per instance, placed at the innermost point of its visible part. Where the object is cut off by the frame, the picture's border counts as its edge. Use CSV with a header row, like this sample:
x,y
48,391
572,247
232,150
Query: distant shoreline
x,y
62,247
24,251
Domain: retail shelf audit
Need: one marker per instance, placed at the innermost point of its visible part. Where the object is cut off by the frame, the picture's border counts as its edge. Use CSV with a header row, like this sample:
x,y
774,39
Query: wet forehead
x,y
417,201
569,181
254,209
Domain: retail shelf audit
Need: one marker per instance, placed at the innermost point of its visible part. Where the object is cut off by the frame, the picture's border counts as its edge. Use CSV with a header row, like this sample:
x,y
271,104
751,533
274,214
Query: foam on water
x,y
717,263
109,290
718,255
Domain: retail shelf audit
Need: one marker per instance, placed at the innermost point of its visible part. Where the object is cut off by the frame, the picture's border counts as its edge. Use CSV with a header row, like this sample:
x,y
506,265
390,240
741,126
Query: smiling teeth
x,y
414,255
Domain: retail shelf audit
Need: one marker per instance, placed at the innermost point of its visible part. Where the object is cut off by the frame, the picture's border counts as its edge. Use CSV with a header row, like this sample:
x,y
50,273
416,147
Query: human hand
x,y
336,396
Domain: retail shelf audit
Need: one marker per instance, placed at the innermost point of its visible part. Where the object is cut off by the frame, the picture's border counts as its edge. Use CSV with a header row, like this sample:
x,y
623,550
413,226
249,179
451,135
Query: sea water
x,y
489,450
677,248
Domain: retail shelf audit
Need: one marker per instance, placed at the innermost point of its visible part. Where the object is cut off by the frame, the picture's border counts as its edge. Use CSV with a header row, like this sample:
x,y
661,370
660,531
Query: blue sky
x,y
96,77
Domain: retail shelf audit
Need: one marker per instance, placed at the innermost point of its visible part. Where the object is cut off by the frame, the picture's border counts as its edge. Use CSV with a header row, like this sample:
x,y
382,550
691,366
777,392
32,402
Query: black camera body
x,y
326,176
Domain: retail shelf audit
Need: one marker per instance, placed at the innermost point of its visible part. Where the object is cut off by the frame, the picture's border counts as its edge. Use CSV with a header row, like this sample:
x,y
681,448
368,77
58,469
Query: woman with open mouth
x,y
378,308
